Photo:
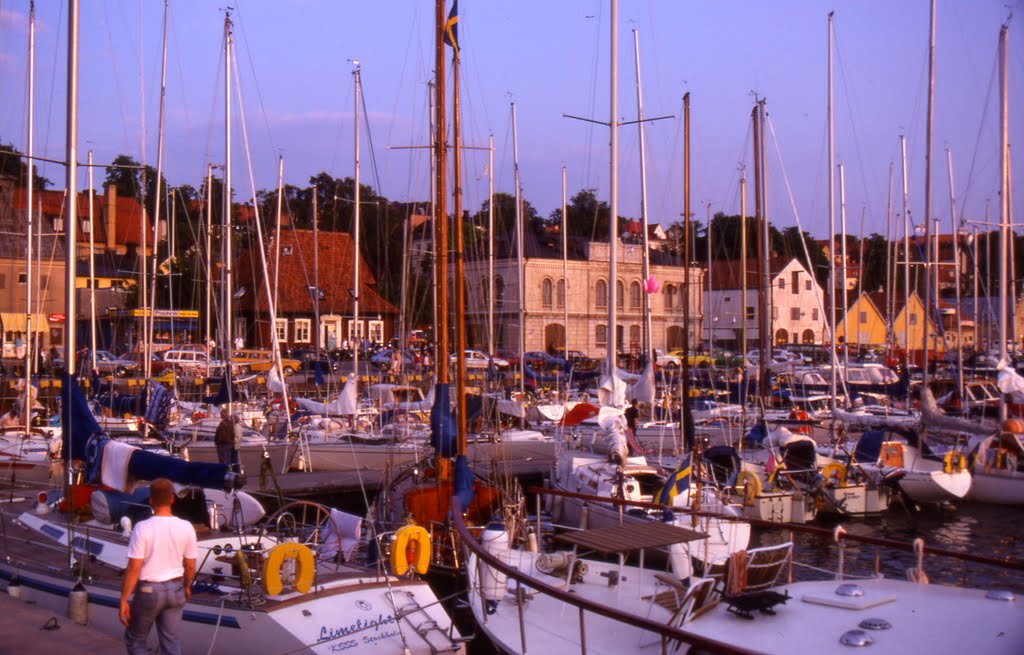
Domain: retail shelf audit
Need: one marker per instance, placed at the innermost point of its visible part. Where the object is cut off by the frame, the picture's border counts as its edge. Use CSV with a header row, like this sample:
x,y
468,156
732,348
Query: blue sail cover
x,y
159,405
464,480
442,424
83,439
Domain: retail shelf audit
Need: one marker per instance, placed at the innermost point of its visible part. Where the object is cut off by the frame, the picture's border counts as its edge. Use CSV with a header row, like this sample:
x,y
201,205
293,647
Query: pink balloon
x,y
651,285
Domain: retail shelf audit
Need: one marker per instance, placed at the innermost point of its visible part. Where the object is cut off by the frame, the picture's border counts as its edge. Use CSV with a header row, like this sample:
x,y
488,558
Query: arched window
x,y
634,295
808,336
499,291
601,294
670,296
601,336
546,291
634,336
620,295
560,296
781,337
485,296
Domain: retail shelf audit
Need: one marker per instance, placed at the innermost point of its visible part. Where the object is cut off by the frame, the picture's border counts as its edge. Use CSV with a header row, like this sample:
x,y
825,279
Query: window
x,y
775,313
634,295
355,330
807,286
601,336
795,286
727,299
560,297
376,331
782,284
86,226
601,294
546,291
286,251
22,277
634,336
302,330
499,291
913,319
750,312
3,280
794,314
670,296
620,295
281,325
814,314
863,317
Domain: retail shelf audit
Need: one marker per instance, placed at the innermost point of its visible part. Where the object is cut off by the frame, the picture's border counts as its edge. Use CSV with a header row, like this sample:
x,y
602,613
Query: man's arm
x,y
190,575
131,578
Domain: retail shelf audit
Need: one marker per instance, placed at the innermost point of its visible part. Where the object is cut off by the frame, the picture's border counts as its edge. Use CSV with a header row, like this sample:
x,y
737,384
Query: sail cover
x,y
83,439
345,404
442,424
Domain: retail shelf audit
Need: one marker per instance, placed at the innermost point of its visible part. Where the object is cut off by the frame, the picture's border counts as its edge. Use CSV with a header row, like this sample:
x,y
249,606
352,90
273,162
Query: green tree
x,y
13,164
587,216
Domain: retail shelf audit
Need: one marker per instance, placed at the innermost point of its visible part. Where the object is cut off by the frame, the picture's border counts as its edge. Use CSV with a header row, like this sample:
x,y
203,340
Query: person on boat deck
x,y
632,413
162,554
227,438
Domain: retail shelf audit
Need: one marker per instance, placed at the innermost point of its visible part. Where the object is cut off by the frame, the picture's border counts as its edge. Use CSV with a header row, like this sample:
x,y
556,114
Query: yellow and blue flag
x,y
677,483
451,27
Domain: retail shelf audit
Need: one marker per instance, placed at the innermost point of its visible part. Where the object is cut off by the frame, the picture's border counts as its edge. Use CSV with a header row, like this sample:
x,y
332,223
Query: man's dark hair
x,y
161,492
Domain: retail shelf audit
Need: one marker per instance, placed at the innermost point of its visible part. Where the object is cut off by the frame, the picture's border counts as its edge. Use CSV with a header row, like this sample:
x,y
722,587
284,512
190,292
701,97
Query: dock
x,y
29,629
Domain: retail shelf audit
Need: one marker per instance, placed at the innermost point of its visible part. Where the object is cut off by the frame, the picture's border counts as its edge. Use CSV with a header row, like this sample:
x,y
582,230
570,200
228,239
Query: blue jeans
x,y
161,603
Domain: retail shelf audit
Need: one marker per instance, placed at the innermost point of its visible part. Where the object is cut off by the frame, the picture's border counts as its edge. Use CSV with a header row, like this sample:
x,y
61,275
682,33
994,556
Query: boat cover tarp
x,y
869,446
643,388
345,404
579,413
83,439
464,480
442,424
1010,382
159,406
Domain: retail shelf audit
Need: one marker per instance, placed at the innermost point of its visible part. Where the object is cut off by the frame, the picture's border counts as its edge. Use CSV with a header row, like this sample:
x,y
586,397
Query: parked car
x,y
539,360
382,359
667,360
192,361
107,363
511,357
694,360
260,361
577,359
477,359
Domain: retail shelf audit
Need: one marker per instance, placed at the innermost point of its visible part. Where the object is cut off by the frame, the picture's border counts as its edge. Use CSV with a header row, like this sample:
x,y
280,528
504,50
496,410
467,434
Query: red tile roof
x,y
128,214
334,257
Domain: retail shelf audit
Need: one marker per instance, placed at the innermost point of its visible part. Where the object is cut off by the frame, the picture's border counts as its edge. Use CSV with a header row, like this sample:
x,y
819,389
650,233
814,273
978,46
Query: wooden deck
x,y
22,625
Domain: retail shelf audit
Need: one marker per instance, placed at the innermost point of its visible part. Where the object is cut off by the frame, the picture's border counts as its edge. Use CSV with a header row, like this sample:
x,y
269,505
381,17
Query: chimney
x,y
110,211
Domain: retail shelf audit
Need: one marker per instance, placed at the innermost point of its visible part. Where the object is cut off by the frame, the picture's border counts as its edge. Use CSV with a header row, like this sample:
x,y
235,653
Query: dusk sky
x,y
550,58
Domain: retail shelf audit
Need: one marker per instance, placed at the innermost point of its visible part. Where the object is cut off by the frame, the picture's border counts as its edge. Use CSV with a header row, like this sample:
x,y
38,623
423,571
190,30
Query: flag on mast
x,y
451,27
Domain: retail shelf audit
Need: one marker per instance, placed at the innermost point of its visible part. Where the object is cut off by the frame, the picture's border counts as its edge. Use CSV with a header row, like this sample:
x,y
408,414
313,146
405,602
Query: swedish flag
x,y
677,483
451,27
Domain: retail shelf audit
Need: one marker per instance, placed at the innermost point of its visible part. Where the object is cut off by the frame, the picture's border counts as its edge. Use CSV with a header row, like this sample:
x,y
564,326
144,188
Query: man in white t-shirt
x,y
162,554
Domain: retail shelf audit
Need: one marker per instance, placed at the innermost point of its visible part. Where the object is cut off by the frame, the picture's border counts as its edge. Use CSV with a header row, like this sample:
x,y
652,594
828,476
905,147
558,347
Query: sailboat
x,y
293,585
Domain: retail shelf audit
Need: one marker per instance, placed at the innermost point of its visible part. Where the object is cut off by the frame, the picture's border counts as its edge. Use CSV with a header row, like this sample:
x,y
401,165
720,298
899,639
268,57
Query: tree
x,y
587,216
13,163
504,213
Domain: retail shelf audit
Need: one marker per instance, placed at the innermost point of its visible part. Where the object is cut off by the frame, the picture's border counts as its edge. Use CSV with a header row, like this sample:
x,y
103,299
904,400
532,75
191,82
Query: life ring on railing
x,y
836,470
751,484
416,539
304,568
954,462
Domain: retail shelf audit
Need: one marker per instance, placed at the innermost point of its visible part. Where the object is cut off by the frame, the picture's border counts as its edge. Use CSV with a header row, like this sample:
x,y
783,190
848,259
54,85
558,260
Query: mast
x,y
832,231
890,264
209,261
147,366
956,276
906,260
71,224
1006,294
762,254
490,247
227,285
356,215
440,211
648,335
613,192
743,302
565,268
685,428
30,182
520,259
92,266
929,255
277,237
710,327
843,272
460,270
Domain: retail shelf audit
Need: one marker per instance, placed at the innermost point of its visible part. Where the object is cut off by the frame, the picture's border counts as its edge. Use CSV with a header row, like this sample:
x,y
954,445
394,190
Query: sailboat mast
x,y
440,211
762,306
906,259
648,344
209,259
147,366
226,254
565,268
29,334
929,254
356,215
685,368
520,258
1007,294
613,192
490,245
277,237
832,231
71,224
92,266
956,276
843,270
460,270
743,302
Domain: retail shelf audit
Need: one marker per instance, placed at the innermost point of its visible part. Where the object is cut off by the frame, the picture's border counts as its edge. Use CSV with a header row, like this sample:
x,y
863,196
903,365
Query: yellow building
x,y
864,321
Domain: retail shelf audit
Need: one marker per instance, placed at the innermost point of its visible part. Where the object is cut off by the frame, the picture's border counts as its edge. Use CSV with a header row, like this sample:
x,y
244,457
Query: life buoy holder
x,y
416,539
835,470
954,462
304,568
751,484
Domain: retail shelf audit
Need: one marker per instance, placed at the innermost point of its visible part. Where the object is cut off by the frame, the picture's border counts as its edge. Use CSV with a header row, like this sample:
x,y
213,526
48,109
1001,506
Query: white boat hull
x,y
998,488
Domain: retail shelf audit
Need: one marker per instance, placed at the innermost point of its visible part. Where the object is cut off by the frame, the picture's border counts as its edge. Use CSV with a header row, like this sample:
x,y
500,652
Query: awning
x,y
15,322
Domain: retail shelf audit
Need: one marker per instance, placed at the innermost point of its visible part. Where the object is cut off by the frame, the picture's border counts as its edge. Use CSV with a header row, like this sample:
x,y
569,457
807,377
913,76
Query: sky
x,y
294,98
